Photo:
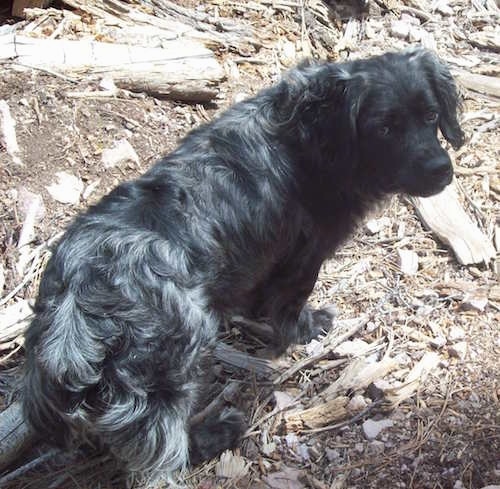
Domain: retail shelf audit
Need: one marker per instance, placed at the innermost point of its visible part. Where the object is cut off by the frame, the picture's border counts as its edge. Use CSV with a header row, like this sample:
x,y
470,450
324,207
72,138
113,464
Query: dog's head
x,y
401,101
379,117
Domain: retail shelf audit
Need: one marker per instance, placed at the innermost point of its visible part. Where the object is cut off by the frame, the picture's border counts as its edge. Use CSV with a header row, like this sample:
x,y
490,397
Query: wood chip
x,y
372,428
8,130
66,189
393,397
408,262
231,466
286,478
120,152
475,300
458,350
374,226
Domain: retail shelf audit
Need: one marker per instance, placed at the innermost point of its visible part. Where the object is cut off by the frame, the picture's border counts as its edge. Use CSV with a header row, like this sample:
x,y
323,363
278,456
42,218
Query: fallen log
x,y
183,70
168,17
487,85
15,435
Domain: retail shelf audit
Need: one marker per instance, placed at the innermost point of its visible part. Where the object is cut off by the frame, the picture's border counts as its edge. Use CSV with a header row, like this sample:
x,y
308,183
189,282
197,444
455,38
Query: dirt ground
x,y
445,435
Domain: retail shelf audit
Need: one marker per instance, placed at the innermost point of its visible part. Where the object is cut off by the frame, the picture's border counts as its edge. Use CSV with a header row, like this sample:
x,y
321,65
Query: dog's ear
x,y
446,92
316,92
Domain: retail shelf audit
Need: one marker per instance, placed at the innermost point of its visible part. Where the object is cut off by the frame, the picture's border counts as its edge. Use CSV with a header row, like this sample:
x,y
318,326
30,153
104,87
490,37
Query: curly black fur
x,y
238,219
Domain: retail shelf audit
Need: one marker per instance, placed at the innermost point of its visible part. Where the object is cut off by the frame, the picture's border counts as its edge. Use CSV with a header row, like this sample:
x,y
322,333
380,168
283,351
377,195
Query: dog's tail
x,y
74,392
64,360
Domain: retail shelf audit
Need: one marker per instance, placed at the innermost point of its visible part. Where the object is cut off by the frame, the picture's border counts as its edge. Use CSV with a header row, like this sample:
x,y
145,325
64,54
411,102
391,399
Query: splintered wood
x,y
13,321
331,405
317,416
444,215
358,375
348,327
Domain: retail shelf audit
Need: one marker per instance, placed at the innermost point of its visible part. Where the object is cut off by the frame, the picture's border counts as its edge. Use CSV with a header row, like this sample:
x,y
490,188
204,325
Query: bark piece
x,y
444,215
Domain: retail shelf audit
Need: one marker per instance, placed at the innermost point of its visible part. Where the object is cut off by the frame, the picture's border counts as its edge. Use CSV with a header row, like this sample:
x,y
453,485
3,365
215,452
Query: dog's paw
x,y
323,318
314,323
214,435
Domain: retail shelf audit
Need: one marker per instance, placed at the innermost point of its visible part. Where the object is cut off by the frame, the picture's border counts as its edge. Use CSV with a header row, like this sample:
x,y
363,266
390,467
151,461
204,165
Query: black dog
x,y
237,220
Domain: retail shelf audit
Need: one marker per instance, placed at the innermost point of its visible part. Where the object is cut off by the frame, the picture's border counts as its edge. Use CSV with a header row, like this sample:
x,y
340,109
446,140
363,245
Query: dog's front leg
x,y
282,300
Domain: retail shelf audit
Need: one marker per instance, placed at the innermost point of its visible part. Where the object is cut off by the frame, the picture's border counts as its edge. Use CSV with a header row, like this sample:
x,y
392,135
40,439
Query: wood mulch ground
x,y
404,393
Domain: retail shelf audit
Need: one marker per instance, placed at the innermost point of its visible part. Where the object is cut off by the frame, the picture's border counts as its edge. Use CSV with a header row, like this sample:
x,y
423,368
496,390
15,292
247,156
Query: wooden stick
x,y
32,464
231,356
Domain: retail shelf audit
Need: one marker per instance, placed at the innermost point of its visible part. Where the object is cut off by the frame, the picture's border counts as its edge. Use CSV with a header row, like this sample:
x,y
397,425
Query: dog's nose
x,y
440,168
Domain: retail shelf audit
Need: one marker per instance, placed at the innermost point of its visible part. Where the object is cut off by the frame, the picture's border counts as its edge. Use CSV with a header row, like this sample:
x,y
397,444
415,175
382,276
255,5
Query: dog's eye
x,y
384,131
431,117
